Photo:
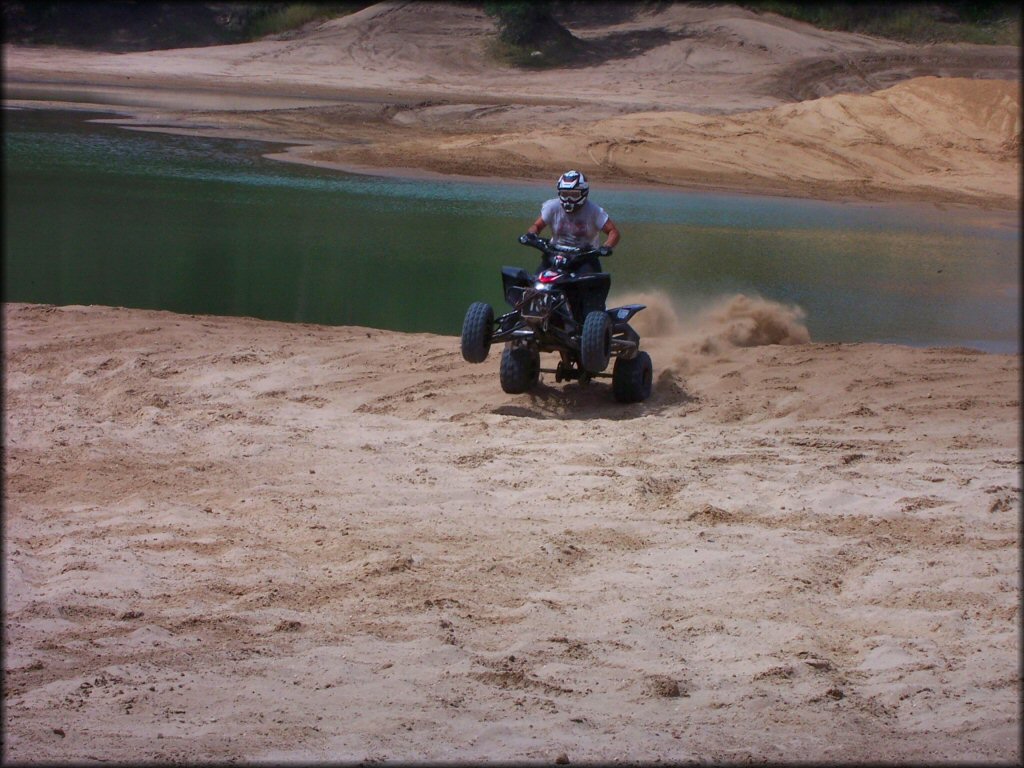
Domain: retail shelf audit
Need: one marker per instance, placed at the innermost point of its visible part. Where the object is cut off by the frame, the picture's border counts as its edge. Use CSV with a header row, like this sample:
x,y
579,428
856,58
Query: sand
x,y
236,539
232,539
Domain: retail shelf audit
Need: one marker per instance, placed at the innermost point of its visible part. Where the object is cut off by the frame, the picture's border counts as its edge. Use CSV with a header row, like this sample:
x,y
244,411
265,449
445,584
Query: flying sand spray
x,y
723,323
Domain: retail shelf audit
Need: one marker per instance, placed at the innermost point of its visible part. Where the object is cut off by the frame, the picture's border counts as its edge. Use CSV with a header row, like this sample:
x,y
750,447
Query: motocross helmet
x,y
572,190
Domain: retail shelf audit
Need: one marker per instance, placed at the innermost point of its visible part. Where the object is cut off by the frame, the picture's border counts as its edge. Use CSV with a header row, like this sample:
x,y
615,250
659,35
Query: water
x,y
96,214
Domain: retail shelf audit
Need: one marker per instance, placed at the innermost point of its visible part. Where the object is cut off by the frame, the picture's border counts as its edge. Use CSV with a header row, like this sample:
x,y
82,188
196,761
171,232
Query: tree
x,y
520,23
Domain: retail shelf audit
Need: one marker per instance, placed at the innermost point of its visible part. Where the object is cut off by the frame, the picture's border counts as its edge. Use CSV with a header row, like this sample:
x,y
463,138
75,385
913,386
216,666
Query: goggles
x,y
570,195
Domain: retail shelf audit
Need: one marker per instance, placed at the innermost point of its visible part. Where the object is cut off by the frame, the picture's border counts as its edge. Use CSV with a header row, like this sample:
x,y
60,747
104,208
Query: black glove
x,y
604,250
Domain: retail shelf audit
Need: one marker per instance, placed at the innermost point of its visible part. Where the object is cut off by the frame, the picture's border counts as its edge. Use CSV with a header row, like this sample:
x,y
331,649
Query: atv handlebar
x,y
571,254
534,240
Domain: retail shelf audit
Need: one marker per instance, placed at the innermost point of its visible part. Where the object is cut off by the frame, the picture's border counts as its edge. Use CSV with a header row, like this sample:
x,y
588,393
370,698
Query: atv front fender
x,y
624,313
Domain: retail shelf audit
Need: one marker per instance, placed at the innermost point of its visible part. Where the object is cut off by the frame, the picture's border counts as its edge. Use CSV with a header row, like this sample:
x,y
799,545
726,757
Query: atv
x,y
560,310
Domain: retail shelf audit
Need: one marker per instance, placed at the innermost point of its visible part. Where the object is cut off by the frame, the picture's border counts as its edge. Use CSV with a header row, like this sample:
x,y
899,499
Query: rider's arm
x,y
537,226
612,231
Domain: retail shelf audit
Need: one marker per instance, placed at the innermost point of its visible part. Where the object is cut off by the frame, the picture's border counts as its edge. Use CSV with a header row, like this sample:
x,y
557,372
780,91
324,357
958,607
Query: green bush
x,y
995,22
139,25
520,23
530,37
275,18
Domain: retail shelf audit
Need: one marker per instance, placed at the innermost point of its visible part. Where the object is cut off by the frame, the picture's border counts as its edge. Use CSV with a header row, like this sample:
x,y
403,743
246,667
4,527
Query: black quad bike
x,y
560,310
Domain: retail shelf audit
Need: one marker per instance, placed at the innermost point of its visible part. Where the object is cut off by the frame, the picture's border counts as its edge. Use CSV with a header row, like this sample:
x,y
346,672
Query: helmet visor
x,y
570,195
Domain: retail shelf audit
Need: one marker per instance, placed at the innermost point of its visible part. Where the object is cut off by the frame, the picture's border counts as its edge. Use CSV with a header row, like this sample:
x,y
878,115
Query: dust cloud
x,y
659,318
746,321
727,321
684,339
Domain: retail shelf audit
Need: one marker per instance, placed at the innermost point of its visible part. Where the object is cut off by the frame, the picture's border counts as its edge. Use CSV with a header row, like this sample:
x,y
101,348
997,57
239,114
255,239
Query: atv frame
x,y
560,310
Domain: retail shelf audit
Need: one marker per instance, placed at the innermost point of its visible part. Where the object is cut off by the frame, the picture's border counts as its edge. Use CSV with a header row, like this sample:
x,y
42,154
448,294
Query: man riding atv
x,y
576,221
562,308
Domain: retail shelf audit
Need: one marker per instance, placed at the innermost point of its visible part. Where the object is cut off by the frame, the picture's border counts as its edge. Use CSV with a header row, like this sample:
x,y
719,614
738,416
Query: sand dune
x,y
927,138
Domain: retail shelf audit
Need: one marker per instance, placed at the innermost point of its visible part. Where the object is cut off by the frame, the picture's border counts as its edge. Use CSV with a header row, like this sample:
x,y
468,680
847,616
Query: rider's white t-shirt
x,y
579,229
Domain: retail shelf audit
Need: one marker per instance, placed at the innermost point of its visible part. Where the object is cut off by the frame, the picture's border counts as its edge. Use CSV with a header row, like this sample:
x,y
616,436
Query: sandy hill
x,y
930,138
670,56
676,93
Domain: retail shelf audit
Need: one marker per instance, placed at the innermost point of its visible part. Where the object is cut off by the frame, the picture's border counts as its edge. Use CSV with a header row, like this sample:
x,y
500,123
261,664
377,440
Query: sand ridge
x,y
930,138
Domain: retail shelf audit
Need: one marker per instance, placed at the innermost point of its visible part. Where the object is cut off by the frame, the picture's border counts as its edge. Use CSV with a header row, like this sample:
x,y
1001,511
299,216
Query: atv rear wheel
x,y
476,332
520,369
632,379
596,342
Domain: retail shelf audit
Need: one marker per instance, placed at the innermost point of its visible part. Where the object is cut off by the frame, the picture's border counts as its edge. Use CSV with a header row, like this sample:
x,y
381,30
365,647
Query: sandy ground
x,y
230,539
711,97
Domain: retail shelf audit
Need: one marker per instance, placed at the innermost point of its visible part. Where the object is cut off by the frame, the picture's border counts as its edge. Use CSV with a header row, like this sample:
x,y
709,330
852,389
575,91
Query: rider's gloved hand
x,y
604,250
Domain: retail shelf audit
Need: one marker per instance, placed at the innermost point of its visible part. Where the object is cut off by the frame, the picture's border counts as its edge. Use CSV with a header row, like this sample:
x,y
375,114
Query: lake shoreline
x,y
309,153
446,130
792,250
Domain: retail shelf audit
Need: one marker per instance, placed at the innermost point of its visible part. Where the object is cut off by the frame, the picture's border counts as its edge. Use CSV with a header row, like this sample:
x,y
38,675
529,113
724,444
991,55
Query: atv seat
x,y
588,293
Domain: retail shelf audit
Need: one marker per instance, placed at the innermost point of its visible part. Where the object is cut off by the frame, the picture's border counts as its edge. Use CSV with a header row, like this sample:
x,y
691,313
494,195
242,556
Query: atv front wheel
x,y
631,379
520,369
476,332
596,342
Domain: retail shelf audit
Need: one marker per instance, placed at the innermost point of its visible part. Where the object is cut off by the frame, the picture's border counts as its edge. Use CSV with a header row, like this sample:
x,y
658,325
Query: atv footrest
x,y
590,375
625,345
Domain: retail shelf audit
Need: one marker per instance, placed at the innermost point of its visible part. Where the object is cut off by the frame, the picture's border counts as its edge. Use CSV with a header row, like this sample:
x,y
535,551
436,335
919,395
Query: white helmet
x,y
572,190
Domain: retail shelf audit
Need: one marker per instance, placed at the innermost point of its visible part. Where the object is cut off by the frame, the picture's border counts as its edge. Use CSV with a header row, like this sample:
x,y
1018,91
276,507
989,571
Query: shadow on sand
x,y
594,400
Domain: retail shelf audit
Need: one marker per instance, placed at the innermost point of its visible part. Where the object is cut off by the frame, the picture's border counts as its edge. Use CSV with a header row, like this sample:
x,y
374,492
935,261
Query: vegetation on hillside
x,y
986,22
538,34
140,25
529,33
279,18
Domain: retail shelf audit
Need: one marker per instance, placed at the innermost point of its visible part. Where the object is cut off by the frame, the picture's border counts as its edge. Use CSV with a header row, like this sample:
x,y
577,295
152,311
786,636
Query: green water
x,y
96,214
